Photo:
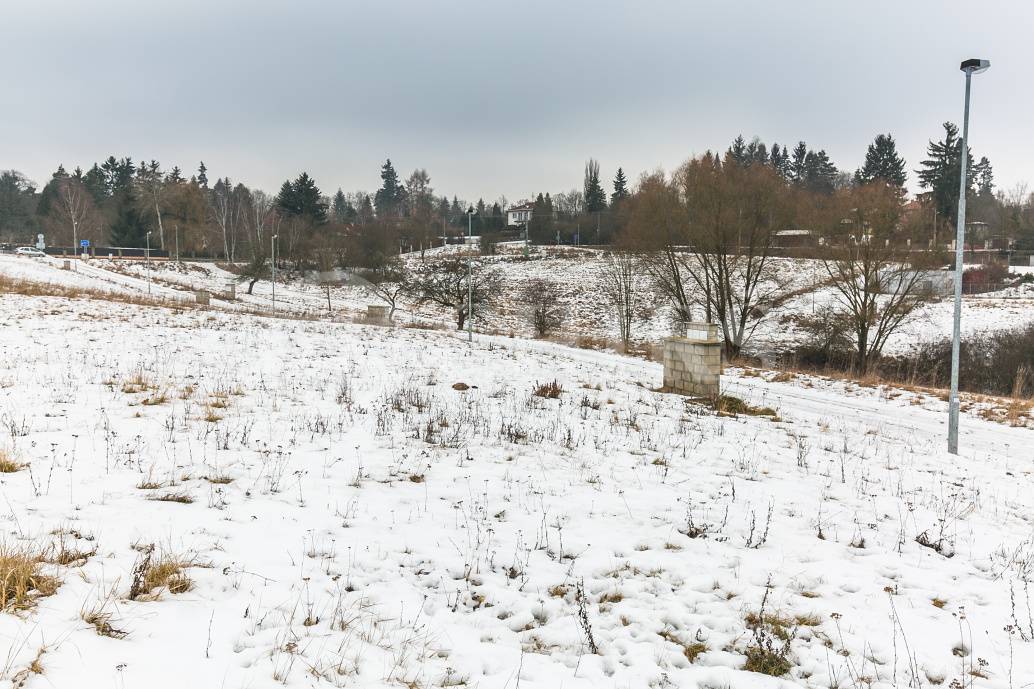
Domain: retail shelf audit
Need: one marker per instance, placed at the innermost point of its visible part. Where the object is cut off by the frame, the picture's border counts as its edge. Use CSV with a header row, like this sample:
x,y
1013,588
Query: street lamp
x,y
969,67
470,284
147,261
272,265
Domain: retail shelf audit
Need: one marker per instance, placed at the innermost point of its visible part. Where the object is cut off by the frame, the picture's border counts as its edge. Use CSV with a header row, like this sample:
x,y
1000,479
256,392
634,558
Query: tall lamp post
x,y
470,283
272,265
969,67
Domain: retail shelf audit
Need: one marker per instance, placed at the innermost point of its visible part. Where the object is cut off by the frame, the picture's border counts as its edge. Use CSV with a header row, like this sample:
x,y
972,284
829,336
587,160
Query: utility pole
x,y
970,67
147,261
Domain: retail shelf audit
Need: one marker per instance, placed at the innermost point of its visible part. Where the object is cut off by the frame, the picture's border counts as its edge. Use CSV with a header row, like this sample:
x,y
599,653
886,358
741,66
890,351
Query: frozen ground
x,y
349,515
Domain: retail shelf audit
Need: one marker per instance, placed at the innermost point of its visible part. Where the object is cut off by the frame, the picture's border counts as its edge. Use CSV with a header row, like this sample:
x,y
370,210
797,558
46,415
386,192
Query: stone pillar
x,y
377,314
202,297
231,289
67,265
693,364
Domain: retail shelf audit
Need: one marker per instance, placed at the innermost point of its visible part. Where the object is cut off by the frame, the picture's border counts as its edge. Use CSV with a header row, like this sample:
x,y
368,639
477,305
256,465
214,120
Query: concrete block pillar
x,y
693,363
377,314
202,297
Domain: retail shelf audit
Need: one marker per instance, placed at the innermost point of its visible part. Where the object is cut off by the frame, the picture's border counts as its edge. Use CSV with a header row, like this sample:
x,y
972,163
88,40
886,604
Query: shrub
x,y
549,390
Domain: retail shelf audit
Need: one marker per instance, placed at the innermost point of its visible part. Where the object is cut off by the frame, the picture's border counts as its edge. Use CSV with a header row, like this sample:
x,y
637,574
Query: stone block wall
x,y
693,365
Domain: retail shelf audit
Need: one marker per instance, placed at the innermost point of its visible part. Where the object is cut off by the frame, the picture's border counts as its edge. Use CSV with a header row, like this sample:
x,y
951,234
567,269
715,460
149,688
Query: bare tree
x,y
655,226
256,269
733,213
877,282
389,282
542,300
620,288
74,208
445,283
152,184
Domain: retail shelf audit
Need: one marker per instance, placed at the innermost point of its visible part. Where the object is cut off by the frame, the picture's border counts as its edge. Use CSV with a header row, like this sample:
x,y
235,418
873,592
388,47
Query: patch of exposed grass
x,y
157,572
8,463
100,619
728,405
551,390
766,662
181,497
22,580
220,479
690,649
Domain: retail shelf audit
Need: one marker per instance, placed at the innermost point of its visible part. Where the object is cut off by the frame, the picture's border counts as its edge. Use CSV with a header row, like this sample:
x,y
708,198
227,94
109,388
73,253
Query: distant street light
x,y
969,67
272,265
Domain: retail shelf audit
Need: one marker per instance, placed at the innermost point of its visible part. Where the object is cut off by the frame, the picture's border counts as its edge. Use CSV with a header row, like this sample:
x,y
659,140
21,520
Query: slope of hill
x,y
220,499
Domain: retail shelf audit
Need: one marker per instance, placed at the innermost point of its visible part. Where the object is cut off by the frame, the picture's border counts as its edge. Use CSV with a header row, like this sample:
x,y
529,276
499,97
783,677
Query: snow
x,y
382,528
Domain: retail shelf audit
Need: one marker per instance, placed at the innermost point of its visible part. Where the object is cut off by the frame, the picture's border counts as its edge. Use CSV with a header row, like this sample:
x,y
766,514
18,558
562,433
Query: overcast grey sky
x,y
500,97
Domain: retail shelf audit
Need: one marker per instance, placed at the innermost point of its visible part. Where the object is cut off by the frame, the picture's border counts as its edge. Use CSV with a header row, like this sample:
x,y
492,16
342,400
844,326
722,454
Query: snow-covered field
x,y
373,507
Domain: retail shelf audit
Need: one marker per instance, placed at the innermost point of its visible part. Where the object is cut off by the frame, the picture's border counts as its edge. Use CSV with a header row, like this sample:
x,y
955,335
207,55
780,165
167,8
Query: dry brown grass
x,y
8,463
154,573
101,620
181,497
22,579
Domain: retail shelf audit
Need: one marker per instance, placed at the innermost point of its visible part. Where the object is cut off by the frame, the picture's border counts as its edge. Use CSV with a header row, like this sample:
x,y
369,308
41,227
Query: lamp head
x,y
975,66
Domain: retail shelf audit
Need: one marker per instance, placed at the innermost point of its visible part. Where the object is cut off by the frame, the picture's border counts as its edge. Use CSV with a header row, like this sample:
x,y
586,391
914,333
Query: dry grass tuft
x,y
100,619
551,390
727,405
22,580
153,574
8,463
183,498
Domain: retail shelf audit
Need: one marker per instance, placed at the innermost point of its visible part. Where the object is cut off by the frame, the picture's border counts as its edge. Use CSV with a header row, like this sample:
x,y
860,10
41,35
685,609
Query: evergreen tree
x,y
94,182
756,153
798,164
738,151
780,160
984,177
820,173
620,192
593,194
175,175
17,203
118,175
941,171
202,175
364,214
883,163
388,198
339,208
302,198
130,226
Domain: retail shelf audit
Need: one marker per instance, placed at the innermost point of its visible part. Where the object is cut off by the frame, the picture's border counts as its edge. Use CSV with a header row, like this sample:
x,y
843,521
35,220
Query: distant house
x,y
789,239
520,214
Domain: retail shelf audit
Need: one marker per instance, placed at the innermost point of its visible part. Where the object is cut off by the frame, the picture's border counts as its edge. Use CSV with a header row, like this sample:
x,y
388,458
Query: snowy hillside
x,y
226,500
578,273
